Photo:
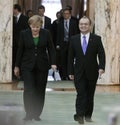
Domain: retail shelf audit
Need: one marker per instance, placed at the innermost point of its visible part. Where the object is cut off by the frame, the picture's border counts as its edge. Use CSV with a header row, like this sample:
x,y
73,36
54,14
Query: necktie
x,y
66,25
66,31
84,45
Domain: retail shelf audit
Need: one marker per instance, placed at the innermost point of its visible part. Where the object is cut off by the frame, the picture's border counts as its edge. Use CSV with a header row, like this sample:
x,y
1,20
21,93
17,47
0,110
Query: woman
x,y
35,46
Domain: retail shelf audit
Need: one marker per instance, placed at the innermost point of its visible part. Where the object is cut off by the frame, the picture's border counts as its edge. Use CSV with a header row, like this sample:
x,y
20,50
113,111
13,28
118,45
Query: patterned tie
x,y
66,25
84,45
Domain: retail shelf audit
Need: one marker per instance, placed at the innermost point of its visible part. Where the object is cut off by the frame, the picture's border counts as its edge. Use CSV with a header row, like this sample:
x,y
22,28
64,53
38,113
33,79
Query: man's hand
x,y
101,71
54,67
57,47
71,77
17,71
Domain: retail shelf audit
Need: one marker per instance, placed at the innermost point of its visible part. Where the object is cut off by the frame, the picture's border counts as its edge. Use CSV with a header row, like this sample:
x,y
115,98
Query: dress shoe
x,y
37,119
75,117
79,119
87,119
27,119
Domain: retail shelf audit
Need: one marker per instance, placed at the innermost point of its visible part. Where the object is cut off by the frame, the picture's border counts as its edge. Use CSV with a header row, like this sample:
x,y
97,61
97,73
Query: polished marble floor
x,y
59,105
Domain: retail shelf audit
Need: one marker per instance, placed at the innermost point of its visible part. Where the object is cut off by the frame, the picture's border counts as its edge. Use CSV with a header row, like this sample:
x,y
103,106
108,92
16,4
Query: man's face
x,y
84,25
15,12
41,12
66,14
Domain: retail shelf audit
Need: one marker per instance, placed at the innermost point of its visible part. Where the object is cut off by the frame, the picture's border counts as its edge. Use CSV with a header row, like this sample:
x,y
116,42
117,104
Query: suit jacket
x,y
18,27
79,63
73,29
47,23
29,55
54,31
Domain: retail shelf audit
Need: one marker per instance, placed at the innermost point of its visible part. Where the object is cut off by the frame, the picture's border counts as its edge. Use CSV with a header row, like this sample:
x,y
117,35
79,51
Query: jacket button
x,y
35,54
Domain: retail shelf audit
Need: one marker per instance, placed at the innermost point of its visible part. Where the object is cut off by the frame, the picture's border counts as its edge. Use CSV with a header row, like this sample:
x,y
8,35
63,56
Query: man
x,y
84,69
73,17
66,28
46,20
19,23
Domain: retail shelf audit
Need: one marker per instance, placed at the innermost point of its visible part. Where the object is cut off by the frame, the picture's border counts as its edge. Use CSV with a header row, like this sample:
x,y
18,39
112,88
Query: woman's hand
x,y
54,67
17,71
71,77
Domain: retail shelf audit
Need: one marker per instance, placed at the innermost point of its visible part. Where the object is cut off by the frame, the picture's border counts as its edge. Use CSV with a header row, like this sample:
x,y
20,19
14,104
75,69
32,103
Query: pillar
x,y
107,24
91,12
6,40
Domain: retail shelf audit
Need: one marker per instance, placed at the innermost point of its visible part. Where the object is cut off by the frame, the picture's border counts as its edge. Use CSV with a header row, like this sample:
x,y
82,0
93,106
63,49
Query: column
x,y
107,24
6,40
91,12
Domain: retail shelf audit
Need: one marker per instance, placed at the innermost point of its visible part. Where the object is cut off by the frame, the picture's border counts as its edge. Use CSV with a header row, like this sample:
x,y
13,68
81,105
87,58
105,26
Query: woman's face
x,y
35,28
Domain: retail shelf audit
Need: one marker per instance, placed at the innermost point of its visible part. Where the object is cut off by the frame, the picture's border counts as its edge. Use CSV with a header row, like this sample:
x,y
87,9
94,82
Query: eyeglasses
x,y
84,24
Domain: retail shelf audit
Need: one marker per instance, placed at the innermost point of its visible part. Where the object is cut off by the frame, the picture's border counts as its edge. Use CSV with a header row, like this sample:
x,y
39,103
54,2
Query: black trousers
x,y
64,60
85,96
34,91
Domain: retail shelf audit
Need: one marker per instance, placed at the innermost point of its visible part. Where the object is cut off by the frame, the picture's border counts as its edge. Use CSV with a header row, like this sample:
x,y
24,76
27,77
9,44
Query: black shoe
x,y
75,117
37,119
27,119
79,119
87,119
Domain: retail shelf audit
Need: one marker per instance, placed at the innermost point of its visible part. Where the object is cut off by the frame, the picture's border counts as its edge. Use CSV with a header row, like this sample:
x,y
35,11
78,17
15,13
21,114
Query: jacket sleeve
x,y
101,55
51,49
71,59
19,51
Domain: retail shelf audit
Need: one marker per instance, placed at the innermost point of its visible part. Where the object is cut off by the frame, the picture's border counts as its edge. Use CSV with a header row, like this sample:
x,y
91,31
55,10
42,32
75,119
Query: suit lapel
x,y
20,19
89,43
41,37
30,37
79,43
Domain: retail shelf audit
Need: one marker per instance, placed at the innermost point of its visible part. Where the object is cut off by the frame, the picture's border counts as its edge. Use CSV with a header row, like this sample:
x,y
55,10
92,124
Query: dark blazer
x,y
22,24
54,31
79,63
73,29
29,55
47,23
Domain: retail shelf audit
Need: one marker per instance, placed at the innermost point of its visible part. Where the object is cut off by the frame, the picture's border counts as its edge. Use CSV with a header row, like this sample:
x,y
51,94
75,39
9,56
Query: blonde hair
x,y
36,19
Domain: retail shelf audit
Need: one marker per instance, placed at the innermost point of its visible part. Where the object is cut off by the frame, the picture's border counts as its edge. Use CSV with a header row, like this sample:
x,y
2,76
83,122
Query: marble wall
x,y
107,24
5,40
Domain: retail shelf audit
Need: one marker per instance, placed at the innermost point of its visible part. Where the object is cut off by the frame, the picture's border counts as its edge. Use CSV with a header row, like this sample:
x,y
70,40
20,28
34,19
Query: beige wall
x,y
15,1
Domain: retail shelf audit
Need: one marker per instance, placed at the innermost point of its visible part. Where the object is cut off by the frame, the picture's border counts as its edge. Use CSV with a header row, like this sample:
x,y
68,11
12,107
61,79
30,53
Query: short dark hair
x,y
28,12
18,7
86,18
66,9
41,7
69,7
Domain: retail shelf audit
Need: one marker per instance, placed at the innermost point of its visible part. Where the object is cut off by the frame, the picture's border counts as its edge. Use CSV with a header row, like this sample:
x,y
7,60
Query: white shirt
x,y
43,24
18,16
